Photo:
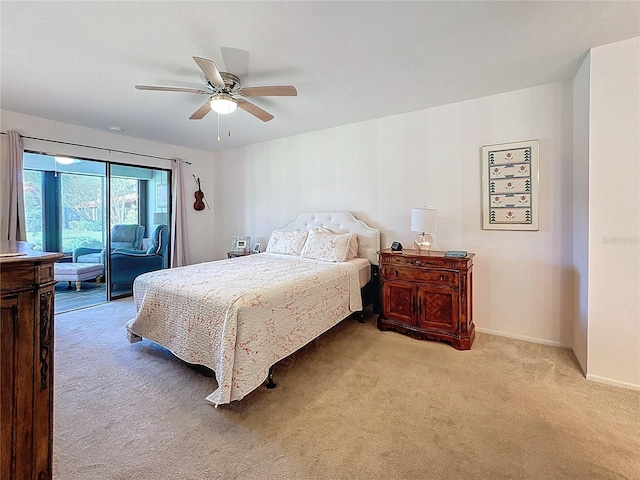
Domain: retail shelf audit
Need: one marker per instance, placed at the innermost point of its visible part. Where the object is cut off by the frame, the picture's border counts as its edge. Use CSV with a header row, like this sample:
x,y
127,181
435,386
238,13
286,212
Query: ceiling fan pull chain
x,y
218,127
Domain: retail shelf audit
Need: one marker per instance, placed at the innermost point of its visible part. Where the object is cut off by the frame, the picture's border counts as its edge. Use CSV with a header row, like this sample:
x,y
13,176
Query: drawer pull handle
x,y
403,260
442,278
395,272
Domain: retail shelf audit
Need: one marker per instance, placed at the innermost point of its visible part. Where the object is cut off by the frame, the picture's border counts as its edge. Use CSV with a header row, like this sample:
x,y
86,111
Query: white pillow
x,y
353,246
330,247
353,242
288,243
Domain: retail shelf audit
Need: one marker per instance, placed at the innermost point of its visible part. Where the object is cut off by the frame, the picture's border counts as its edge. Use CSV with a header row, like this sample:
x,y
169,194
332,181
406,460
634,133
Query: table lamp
x,y
425,221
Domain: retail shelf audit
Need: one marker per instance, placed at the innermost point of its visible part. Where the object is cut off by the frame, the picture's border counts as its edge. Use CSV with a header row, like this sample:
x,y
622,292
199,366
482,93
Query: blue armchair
x,y
127,263
122,236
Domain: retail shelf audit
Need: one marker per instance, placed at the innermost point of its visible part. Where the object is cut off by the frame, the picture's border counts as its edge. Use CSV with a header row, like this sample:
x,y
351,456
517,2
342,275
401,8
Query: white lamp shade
x,y
424,220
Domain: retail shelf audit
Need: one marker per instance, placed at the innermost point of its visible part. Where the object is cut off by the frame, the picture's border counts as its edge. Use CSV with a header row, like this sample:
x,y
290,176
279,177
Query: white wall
x,y
614,214
528,285
581,211
382,168
200,224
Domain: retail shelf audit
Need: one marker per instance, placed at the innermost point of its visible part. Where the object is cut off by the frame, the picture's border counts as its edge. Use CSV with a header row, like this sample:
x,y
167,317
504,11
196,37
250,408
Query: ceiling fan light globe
x,y
223,104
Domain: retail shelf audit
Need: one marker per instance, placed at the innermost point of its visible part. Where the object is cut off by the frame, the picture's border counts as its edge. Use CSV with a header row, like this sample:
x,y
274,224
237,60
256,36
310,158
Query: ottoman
x,y
76,272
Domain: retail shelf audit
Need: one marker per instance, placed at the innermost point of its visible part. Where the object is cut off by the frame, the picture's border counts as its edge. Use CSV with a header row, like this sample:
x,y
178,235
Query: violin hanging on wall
x,y
199,203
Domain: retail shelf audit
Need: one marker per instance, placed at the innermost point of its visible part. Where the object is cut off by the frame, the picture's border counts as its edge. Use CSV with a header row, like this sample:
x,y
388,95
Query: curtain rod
x,y
102,148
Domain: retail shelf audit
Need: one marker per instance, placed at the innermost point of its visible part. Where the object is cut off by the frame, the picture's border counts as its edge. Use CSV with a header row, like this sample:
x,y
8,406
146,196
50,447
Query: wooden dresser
x,y
26,361
427,296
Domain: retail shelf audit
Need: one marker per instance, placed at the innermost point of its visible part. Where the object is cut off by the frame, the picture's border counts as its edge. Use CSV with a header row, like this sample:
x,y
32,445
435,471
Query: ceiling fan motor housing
x,y
231,82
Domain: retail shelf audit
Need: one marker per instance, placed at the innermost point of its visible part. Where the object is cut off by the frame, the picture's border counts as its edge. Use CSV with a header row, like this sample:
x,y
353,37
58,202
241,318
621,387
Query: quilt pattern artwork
x,y
510,186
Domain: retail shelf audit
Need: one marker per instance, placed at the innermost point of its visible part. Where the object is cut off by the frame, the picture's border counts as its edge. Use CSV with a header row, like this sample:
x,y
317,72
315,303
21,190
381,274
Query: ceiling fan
x,y
225,93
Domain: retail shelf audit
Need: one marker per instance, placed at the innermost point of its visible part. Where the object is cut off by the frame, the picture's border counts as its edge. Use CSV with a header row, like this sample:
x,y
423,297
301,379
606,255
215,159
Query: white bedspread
x,y
240,316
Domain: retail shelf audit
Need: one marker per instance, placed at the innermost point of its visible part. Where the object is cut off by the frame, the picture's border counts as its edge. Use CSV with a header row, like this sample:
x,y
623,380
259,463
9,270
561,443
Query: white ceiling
x,y
78,62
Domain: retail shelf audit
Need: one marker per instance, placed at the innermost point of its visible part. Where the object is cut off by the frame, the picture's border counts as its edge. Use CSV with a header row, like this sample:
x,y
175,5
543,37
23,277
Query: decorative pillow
x,y
288,243
353,246
330,247
353,242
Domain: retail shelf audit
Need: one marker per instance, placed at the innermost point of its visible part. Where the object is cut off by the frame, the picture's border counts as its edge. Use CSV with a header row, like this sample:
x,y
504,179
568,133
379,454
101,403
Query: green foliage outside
x,y
82,200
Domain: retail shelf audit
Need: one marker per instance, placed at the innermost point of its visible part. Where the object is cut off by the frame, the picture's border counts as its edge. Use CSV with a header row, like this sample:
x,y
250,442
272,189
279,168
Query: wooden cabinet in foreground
x,y
427,296
26,361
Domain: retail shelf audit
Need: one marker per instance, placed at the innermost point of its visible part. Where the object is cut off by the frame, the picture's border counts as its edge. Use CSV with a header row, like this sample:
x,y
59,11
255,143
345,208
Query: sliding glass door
x,y
138,225
64,202
79,207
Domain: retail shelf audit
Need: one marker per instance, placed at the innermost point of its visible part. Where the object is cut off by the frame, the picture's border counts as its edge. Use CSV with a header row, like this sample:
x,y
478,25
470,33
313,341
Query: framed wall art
x,y
510,186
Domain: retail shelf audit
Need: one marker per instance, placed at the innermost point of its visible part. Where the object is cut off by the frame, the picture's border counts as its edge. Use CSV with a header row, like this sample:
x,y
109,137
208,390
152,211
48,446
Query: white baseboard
x,y
522,337
615,383
593,378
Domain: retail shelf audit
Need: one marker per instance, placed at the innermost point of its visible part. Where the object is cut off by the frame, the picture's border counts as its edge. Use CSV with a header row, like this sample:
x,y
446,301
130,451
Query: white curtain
x,y
179,237
12,217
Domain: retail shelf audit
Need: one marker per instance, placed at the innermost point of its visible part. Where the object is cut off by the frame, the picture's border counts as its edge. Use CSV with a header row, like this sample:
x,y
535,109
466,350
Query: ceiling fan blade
x,y
201,112
254,110
273,91
210,71
172,89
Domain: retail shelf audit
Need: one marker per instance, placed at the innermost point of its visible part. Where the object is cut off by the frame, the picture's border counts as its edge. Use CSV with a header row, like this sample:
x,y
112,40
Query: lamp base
x,y
423,242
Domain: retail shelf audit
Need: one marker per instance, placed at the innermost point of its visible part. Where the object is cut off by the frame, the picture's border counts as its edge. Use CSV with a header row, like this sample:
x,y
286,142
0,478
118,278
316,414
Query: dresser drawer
x,y
417,275
422,261
17,276
46,272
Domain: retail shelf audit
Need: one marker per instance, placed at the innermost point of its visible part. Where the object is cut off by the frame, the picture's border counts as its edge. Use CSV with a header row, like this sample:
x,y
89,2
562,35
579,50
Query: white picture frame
x,y
240,244
510,182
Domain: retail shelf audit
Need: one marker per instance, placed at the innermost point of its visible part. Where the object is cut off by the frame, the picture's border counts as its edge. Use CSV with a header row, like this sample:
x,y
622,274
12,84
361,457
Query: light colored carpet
x,y
354,404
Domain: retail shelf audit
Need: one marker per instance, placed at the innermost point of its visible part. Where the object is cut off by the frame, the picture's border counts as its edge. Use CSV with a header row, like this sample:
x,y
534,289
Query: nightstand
x,y
427,296
239,253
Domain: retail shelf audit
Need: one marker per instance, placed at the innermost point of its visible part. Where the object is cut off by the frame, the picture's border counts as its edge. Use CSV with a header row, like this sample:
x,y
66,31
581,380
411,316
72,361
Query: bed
x,y
240,316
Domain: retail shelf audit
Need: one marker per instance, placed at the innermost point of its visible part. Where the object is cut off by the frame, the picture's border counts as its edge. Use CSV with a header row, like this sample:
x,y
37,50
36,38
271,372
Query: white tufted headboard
x,y
341,222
